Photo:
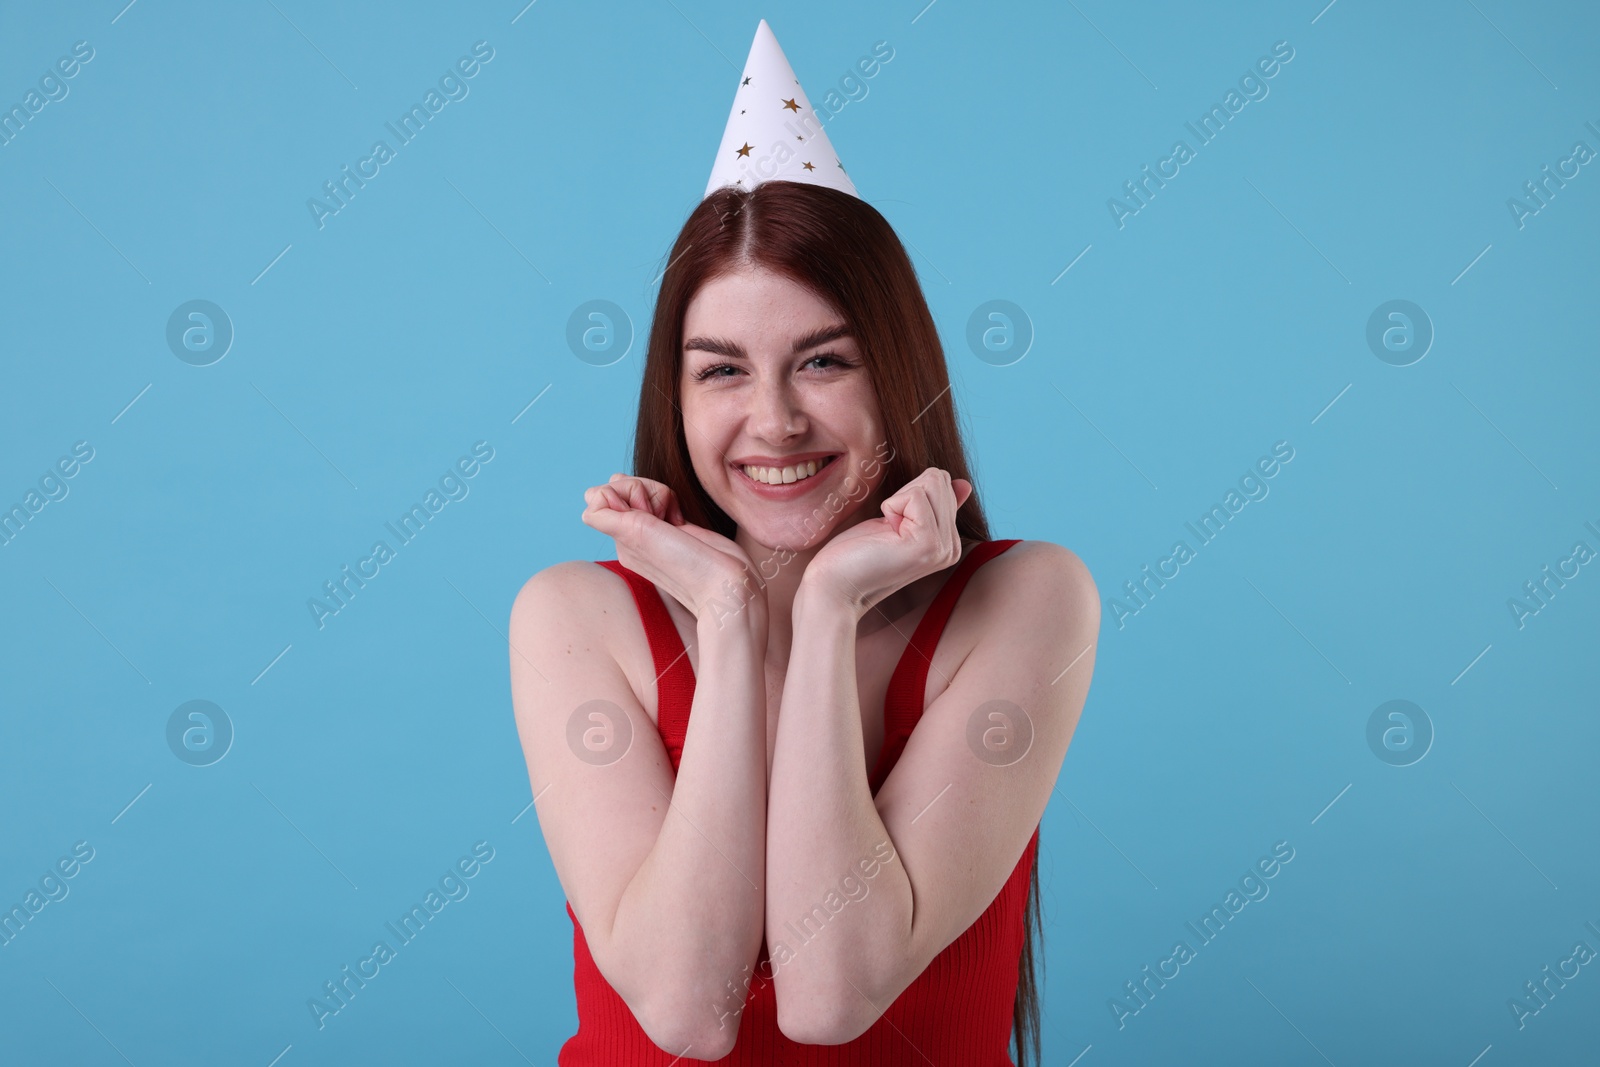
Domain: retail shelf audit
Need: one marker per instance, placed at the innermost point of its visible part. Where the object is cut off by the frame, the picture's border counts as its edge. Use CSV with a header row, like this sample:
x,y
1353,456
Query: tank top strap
x,y
674,674
908,685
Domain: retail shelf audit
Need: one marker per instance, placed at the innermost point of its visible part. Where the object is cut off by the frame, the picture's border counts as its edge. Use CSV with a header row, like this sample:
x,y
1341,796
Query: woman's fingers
x,y
662,501
918,504
645,520
638,495
929,502
952,494
629,490
646,494
943,500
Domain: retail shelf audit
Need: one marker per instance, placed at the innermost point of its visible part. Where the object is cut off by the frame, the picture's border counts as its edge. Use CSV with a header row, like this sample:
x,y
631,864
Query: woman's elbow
x,y
824,1021
703,1030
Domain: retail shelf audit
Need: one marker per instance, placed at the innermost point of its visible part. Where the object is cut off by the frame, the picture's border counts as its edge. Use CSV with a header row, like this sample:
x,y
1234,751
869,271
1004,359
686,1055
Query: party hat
x,y
772,131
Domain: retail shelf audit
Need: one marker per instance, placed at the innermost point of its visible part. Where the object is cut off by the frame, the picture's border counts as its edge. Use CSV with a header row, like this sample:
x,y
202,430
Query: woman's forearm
x,y
824,825
691,920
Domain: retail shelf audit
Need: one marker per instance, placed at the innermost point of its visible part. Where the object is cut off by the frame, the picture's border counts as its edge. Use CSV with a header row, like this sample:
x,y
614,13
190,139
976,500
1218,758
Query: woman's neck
x,y
778,571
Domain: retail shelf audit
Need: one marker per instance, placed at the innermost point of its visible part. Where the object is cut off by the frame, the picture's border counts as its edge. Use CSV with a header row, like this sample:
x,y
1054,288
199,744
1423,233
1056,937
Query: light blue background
x,y
1228,314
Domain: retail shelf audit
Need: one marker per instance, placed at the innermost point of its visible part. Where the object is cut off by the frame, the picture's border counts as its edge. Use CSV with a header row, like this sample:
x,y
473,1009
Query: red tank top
x,y
957,1011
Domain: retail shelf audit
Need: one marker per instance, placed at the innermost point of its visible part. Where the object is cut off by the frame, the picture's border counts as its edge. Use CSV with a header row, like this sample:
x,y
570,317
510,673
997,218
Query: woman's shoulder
x,y
582,620
1036,569
569,593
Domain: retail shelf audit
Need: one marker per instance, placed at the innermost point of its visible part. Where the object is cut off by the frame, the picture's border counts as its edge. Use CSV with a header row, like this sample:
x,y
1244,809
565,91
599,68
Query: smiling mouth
x,y
799,472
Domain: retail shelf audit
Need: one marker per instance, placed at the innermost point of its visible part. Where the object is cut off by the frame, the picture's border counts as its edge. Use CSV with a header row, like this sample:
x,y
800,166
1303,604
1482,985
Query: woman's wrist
x,y
813,599
733,617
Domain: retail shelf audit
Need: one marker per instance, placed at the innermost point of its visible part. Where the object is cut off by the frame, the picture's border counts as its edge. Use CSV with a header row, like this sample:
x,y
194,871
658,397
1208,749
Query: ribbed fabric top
x,y
956,1013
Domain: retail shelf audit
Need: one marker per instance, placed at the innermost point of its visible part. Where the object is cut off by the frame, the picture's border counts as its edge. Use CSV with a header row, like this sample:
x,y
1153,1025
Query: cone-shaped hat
x,y
772,131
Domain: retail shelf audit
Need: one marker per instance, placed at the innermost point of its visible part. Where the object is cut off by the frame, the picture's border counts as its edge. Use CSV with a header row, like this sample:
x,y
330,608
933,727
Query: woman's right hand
x,y
695,566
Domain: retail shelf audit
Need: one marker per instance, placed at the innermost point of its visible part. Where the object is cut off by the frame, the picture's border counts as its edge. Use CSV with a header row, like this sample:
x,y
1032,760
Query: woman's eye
x,y
716,370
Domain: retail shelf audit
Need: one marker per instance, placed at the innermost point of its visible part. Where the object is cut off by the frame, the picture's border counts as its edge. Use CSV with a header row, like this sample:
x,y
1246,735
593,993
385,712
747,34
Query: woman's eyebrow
x,y
734,350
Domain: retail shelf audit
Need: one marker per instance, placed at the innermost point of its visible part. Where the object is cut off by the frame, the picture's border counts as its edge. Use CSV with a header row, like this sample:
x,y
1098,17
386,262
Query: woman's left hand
x,y
865,563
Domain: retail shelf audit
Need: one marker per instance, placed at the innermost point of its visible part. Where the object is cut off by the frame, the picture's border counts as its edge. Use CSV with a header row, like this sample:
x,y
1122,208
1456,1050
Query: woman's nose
x,y
776,415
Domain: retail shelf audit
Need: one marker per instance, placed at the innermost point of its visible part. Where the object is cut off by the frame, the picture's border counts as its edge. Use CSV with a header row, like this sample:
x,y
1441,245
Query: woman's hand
x,y
865,563
696,567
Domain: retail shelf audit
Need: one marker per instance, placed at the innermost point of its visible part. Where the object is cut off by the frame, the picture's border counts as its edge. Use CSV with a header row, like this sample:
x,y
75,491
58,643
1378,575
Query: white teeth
x,y
785,475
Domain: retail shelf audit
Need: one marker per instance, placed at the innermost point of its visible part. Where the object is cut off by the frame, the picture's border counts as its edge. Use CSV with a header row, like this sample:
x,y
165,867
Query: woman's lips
x,y
790,490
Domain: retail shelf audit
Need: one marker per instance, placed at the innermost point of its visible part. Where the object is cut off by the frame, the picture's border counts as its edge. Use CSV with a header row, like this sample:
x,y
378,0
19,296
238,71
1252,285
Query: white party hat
x,y
772,131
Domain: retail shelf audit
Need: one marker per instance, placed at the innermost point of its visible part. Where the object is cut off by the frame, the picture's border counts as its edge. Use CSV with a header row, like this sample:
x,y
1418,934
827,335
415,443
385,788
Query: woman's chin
x,y
795,526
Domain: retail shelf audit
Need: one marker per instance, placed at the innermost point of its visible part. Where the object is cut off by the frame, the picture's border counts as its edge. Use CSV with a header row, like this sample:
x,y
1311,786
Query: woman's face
x,y
771,380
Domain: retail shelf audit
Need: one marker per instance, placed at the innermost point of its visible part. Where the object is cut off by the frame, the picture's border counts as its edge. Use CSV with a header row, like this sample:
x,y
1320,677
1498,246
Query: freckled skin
x,y
776,403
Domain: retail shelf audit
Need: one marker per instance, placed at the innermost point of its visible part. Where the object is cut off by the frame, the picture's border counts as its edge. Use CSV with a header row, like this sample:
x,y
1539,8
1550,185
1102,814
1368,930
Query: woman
x,y
789,773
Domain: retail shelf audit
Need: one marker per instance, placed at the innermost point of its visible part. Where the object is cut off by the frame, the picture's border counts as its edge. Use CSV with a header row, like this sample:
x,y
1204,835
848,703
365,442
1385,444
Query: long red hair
x,y
842,249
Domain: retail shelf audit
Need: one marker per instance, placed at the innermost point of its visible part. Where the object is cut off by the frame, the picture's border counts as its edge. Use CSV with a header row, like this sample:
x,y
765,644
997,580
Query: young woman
x,y
791,748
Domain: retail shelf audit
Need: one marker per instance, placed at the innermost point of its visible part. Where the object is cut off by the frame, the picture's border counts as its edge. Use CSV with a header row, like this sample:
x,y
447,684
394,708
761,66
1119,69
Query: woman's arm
x,y
665,876
955,821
